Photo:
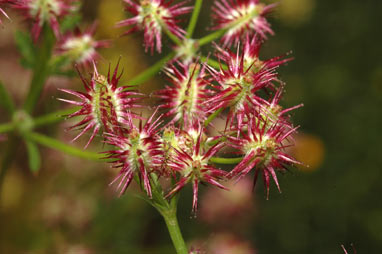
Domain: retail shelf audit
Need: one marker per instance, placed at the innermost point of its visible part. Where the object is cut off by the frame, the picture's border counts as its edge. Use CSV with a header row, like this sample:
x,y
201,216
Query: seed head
x,y
104,105
45,11
185,98
241,18
139,152
271,112
239,83
263,147
151,16
192,163
81,47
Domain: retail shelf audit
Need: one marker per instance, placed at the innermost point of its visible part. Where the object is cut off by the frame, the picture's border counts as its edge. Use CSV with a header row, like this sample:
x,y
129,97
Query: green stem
x,y
6,127
171,35
211,37
42,120
6,100
53,117
41,70
194,18
148,73
174,230
212,117
7,159
220,160
57,145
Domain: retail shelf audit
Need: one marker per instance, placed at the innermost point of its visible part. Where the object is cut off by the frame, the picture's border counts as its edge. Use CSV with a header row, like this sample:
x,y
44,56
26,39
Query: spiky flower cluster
x,y
175,142
153,16
80,47
44,12
104,105
192,161
185,97
241,18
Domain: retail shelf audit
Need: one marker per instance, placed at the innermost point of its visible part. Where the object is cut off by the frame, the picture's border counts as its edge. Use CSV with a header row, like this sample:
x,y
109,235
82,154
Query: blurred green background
x,y
337,74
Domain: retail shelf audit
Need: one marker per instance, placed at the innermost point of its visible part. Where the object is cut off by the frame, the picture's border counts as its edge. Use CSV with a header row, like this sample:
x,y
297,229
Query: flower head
x,y
263,148
241,18
240,82
185,98
81,47
193,164
139,151
151,16
270,110
45,11
104,105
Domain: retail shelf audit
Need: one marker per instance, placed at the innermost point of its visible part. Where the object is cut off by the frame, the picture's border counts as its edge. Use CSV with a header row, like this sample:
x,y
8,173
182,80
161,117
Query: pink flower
x,y
139,152
45,11
271,111
241,18
185,97
263,147
151,16
81,47
240,83
192,163
104,105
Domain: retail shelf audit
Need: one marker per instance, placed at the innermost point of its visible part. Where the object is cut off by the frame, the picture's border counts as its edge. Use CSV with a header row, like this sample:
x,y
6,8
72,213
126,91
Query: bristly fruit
x,y
185,98
241,18
45,12
104,105
262,145
239,83
192,163
151,17
80,47
139,152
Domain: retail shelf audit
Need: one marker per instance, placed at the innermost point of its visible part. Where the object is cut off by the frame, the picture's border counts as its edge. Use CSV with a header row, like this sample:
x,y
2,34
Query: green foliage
x,y
26,48
33,156
6,100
